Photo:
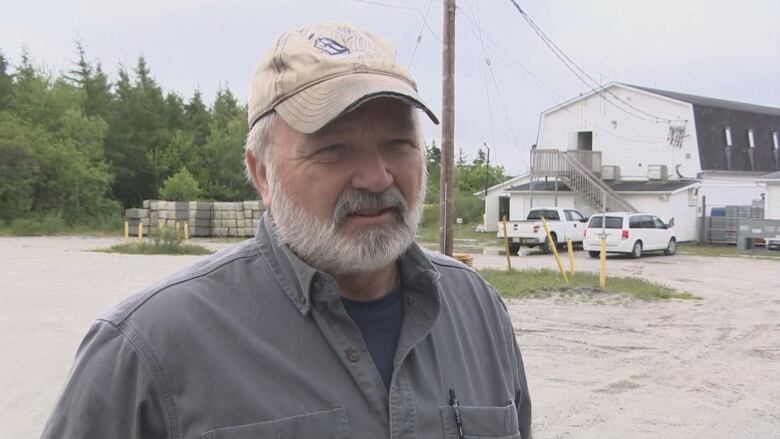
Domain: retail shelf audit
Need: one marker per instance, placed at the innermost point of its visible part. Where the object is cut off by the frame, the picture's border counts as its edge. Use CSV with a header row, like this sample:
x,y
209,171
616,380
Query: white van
x,y
630,233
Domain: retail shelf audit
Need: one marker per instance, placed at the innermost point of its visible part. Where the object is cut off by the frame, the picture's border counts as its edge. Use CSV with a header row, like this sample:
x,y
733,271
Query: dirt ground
x,y
596,369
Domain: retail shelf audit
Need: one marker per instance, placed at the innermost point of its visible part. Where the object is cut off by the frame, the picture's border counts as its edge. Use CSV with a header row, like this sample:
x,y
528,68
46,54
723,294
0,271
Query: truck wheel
x,y
514,248
547,246
594,254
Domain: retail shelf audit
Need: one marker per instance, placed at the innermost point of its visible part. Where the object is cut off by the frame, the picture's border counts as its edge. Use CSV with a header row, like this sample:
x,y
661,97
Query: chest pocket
x,y
482,422
331,424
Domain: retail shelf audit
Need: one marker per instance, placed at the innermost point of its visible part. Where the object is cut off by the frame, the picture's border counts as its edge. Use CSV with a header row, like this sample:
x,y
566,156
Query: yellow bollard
x,y
603,271
555,252
506,245
177,230
140,231
127,231
186,231
570,247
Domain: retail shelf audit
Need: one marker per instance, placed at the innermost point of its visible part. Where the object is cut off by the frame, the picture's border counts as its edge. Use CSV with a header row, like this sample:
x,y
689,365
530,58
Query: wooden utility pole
x,y
446,186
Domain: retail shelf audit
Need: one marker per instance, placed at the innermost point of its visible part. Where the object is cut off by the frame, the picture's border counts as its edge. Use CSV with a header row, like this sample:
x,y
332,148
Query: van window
x,y
613,222
658,223
647,222
548,214
634,222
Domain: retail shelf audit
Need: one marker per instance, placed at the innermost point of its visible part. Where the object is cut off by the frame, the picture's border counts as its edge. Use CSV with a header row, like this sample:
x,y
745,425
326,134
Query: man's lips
x,y
370,212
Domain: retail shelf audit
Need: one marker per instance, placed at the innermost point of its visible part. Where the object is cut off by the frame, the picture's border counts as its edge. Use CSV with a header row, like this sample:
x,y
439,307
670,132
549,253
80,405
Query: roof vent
x,y
657,172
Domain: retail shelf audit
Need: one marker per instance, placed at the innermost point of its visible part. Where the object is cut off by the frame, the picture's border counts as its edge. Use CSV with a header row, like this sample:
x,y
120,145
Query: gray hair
x,y
258,142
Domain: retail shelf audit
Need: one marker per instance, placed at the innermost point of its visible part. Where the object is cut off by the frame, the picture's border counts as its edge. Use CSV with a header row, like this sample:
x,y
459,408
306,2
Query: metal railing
x,y
576,169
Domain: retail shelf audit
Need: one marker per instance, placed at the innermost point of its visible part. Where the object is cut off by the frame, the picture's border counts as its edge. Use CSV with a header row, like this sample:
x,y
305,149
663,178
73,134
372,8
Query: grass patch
x,y
150,248
165,241
53,225
544,282
725,251
464,239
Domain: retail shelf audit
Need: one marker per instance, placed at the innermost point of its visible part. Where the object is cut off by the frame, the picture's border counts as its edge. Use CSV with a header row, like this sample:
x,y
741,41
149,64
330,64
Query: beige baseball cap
x,y
317,73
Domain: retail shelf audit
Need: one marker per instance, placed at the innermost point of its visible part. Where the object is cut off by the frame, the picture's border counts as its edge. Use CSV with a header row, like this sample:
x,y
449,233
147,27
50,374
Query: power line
x,y
484,75
406,8
568,62
419,36
541,86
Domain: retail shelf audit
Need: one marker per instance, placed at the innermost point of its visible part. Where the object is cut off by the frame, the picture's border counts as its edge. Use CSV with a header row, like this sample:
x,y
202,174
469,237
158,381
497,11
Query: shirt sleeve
x,y
109,392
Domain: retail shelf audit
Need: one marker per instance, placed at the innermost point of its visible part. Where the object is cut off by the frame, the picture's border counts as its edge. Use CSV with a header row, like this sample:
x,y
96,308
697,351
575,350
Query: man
x,y
331,322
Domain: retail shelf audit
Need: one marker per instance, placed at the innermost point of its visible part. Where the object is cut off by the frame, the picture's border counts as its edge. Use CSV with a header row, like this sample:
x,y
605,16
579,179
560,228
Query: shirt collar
x,y
300,280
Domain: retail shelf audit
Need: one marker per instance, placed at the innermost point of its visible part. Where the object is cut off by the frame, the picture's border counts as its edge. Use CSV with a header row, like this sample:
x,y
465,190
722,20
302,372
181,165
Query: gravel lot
x,y
676,369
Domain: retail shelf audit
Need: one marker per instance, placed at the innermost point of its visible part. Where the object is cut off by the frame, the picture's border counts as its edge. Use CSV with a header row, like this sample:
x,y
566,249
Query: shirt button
x,y
352,355
302,300
410,298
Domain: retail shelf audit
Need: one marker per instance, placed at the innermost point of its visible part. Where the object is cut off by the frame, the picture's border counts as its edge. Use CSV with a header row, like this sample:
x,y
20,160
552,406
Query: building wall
x,y
520,203
490,215
729,191
675,206
772,201
625,140
667,207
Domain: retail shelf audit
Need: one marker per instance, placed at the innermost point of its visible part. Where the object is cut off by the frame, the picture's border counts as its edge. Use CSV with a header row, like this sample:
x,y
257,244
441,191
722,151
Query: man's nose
x,y
371,172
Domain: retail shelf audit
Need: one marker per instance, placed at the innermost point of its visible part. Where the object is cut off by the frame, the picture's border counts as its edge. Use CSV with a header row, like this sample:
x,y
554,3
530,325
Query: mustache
x,y
356,200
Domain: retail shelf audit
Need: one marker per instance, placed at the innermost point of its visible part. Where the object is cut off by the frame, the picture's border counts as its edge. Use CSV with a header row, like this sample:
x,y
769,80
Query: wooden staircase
x,y
577,169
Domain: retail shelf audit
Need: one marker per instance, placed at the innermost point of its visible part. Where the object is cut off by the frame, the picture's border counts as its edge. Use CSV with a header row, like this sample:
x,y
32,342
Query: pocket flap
x,y
330,424
482,422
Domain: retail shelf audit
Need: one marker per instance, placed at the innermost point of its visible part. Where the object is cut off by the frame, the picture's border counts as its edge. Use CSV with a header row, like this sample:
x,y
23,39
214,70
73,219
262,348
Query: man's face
x,y
348,197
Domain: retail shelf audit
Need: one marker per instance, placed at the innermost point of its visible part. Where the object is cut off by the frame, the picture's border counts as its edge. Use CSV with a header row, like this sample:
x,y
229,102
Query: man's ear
x,y
259,176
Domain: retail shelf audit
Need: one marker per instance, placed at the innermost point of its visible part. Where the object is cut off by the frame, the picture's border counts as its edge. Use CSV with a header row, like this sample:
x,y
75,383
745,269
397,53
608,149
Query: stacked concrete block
x,y
204,218
135,217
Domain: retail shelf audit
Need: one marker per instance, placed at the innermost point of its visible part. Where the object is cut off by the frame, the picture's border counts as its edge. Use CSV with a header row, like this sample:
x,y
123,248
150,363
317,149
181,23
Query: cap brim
x,y
314,107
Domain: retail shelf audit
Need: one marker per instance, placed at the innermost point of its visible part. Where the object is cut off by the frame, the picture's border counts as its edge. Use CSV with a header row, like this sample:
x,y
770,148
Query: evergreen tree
x,y
6,85
197,118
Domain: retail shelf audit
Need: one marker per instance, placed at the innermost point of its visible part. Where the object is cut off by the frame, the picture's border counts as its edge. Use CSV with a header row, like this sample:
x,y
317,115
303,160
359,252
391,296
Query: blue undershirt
x,y
380,323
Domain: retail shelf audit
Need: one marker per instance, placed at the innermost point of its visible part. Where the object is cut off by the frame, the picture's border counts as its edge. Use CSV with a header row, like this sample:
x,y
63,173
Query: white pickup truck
x,y
564,223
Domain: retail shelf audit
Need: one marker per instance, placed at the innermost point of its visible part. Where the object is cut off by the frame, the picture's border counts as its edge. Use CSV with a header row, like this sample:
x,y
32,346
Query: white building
x,y
771,184
648,150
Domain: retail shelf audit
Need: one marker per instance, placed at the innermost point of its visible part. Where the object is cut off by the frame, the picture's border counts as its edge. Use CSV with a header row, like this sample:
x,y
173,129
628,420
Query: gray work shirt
x,y
253,343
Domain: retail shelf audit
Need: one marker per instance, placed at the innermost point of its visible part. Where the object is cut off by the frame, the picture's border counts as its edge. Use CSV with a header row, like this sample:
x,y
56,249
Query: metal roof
x,y
711,102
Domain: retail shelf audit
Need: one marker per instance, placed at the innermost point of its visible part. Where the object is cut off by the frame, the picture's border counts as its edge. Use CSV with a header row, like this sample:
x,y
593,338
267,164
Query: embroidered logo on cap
x,y
330,46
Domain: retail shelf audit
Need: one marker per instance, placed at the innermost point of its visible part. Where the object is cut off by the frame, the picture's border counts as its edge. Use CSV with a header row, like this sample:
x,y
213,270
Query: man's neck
x,y
370,285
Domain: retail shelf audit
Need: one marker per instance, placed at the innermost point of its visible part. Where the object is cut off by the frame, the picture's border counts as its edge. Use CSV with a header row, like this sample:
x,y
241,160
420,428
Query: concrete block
x,y
179,214
199,222
202,214
136,213
145,204
201,231
154,215
201,205
248,231
230,214
228,223
221,205
219,231
248,214
233,232
179,205
255,223
158,205
251,205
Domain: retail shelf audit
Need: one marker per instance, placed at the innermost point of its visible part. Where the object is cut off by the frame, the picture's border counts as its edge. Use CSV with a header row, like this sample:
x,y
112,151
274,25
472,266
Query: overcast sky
x,y
723,49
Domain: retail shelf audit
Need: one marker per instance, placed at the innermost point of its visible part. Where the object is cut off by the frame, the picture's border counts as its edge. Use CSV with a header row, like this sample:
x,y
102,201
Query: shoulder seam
x,y
173,282
144,352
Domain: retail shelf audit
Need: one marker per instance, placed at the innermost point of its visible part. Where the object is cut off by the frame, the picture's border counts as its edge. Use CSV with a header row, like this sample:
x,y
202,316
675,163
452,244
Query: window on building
x,y
728,136
751,139
775,140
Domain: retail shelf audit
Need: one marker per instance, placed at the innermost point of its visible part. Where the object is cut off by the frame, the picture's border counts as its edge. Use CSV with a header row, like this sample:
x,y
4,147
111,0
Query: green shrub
x,y
430,215
468,207
180,187
46,225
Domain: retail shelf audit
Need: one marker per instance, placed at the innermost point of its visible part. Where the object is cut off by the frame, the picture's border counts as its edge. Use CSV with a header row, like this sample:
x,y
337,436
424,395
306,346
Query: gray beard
x,y
327,246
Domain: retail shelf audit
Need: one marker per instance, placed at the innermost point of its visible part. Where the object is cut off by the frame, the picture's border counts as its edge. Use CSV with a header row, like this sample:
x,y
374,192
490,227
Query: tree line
x,y
80,147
